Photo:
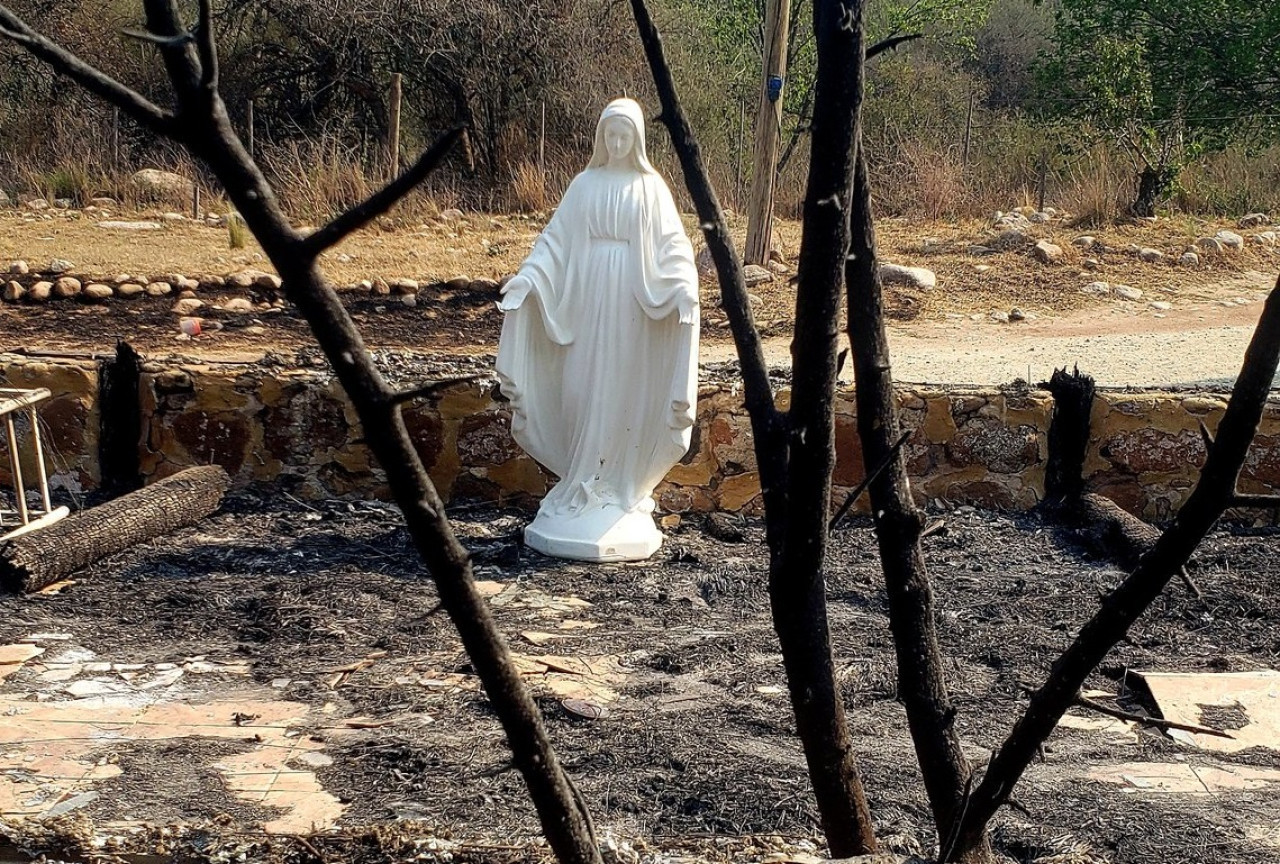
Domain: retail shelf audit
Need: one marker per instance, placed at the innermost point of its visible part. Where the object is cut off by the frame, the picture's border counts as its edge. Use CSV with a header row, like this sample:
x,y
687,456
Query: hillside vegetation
x,y
1096,106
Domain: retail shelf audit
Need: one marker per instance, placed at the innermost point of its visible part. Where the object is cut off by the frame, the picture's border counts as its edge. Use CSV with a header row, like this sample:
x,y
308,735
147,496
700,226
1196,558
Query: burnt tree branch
x,y
1214,493
796,451
899,524
767,423
384,199
797,587
209,135
206,40
891,44
92,79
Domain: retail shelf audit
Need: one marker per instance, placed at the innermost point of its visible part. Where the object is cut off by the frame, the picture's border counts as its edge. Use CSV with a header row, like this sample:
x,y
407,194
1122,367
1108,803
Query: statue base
x,y
603,534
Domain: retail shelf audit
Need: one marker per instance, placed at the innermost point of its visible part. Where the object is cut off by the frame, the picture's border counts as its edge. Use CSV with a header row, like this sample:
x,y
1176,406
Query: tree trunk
x,y
120,407
796,585
38,559
922,685
796,490
1154,185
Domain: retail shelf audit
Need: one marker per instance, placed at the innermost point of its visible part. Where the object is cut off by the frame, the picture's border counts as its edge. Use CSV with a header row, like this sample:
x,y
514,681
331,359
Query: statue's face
x,y
619,139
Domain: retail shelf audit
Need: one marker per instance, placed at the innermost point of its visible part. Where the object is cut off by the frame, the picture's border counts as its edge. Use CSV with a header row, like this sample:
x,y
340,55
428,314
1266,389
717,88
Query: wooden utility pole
x,y
393,128
768,132
248,122
968,136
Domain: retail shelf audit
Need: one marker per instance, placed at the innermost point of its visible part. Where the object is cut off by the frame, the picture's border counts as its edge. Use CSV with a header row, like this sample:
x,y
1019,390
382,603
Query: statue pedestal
x,y
602,534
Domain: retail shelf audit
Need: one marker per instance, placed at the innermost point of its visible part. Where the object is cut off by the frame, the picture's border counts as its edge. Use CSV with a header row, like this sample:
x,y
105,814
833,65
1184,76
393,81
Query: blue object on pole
x,y
774,87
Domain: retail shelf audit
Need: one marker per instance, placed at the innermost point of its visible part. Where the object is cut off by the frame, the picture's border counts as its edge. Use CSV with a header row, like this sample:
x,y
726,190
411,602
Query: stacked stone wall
x,y
294,427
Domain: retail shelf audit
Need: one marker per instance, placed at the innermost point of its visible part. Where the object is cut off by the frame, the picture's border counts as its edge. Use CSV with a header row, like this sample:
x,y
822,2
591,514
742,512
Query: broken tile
x,y
1113,728
75,802
162,679
1237,778
60,671
13,656
1183,696
306,811
578,625
94,687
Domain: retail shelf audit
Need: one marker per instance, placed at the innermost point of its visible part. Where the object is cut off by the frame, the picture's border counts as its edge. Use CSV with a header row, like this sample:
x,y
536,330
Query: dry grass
x,y
316,180
1094,193
528,188
238,235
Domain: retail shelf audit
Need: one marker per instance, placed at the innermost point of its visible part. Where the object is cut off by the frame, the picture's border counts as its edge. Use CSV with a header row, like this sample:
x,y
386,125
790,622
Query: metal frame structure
x,y
12,402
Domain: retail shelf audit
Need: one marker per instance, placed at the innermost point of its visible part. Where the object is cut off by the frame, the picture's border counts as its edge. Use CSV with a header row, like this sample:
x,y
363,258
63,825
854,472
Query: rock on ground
x,y
154,183
1230,239
1047,253
911,277
131,226
755,275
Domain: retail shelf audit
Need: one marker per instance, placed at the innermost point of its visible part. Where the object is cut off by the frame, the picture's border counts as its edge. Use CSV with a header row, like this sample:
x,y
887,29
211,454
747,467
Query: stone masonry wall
x,y
293,427
70,420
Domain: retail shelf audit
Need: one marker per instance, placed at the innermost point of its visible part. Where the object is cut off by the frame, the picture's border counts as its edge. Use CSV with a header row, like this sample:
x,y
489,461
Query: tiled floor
x,y
47,741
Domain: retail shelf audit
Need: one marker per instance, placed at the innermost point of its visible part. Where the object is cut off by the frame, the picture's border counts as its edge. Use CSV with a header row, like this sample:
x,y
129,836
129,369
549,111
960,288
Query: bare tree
x,y
796,449
792,451
199,122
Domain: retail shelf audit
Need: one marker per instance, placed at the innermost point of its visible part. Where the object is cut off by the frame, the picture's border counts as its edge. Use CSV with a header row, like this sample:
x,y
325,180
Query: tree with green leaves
x,y
1168,80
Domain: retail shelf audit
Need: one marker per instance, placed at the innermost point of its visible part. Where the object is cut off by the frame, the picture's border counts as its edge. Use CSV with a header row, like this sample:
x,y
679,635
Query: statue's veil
x,y
629,110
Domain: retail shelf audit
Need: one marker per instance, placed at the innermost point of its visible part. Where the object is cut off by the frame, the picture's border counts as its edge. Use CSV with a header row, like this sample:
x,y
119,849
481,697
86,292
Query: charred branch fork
x,y
794,451
199,121
795,447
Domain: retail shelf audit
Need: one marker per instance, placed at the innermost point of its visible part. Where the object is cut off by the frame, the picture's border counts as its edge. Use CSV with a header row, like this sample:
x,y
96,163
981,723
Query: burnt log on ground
x,y
36,560
1110,531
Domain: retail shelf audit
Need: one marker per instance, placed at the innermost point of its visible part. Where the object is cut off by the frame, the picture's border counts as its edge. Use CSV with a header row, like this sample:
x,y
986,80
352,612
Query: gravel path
x,y
1200,342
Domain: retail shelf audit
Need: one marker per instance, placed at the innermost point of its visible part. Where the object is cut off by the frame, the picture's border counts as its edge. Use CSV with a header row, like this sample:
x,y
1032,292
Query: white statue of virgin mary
x,y
599,349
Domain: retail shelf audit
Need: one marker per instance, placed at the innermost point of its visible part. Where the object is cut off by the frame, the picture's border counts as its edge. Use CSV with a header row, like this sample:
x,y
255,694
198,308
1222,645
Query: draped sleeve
x,y
549,263
670,283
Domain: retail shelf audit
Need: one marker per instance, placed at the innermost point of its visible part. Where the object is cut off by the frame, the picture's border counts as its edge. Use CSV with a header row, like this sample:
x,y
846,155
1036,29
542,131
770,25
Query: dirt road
x,y
1198,342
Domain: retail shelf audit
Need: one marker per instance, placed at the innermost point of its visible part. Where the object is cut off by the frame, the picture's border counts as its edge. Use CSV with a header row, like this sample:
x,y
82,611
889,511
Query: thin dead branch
x,y
1213,494
891,44
853,496
384,199
899,525
208,134
430,390
1144,720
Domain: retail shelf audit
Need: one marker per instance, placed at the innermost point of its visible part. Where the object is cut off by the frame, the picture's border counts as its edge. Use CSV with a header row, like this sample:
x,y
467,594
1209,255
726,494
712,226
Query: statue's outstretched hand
x,y
514,292
688,312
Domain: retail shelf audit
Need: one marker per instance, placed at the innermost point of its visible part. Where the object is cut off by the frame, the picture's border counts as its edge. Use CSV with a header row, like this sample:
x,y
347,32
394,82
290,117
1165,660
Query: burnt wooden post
x,y
1068,435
